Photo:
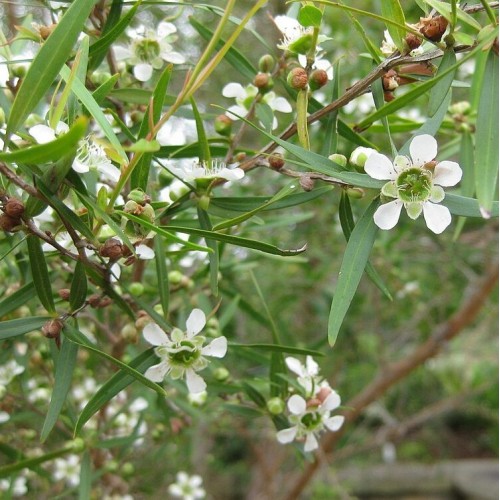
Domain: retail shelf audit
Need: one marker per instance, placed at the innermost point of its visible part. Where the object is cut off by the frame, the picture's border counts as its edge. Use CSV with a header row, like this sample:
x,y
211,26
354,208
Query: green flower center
x,y
311,420
187,353
414,184
147,50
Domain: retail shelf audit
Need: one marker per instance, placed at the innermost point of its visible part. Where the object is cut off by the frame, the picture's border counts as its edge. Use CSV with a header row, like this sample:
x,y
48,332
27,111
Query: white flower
x,y
9,370
91,155
149,49
360,155
310,421
245,95
44,134
176,132
187,487
68,468
19,487
4,417
190,171
415,183
182,354
143,252
308,374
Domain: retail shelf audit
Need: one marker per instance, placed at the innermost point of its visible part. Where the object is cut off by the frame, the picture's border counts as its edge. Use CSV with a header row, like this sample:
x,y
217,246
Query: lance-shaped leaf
x,y
78,291
486,155
41,278
48,62
17,299
468,207
20,326
391,9
353,264
441,89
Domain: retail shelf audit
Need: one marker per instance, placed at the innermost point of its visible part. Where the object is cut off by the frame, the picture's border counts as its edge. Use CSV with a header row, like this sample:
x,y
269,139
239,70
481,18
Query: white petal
x,y
144,252
286,24
286,435
234,90
80,167
61,128
217,348
154,334
156,373
447,173
380,167
143,72
232,174
437,217
121,53
311,442
297,404
194,382
334,423
235,112
295,366
387,215
331,402
42,134
311,366
165,28
174,57
281,104
423,148
195,322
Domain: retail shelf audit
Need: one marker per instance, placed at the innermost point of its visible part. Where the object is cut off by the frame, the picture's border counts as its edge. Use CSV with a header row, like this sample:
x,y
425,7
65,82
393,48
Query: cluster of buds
x,y
263,79
138,204
13,211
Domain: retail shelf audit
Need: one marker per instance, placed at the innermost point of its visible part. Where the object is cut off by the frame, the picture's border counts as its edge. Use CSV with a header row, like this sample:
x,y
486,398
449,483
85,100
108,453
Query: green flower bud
x,y
179,192
359,156
221,374
338,159
275,406
129,334
204,202
355,193
165,178
175,277
266,63
223,125
139,196
77,445
158,309
136,289
127,469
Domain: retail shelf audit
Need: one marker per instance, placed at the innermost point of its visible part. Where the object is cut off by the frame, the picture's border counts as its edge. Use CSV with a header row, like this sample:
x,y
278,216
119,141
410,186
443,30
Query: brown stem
x,y
400,369
15,179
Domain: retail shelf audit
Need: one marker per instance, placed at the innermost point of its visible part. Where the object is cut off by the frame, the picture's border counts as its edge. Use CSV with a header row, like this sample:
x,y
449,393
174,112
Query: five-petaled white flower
x,y
415,183
244,97
91,156
310,419
149,49
191,171
183,354
187,487
308,374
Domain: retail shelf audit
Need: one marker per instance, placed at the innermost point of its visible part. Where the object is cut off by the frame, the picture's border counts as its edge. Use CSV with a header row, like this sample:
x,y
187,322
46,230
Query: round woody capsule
x,y
14,208
413,41
8,223
112,248
52,328
64,293
433,28
276,161
317,79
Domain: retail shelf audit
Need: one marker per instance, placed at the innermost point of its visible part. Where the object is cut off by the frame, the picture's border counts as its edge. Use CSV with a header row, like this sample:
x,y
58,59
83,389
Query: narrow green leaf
x,y
468,207
40,273
467,184
347,224
441,89
85,97
20,326
353,264
392,10
80,71
202,136
278,348
50,151
115,384
101,92
213,256
140,174
378,99
237,240
331,128
162,274
65,366
486,154
17,299
78,291
85,486
48,62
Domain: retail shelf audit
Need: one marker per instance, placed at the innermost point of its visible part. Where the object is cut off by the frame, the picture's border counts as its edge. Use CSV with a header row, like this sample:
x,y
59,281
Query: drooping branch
x,y
399,370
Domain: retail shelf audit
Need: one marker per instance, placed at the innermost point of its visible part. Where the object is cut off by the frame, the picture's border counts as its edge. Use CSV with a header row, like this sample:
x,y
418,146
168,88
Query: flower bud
x,y
77,445
306,183
177,192
297,78
127,469
175,277
275,406
460,108
390,81
239,157
433,28
276,161
266,63
263,82
317,79
52,328
139,196
112,248
223,125
8,223
165,178
136,288
388,95
64,293
45,31
359,156
142,320
129,334
14,208
221,374
413,41
338,159
355,193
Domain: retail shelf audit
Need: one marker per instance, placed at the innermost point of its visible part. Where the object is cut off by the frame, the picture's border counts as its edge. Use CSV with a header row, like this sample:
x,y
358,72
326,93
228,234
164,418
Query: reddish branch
x,y
399,370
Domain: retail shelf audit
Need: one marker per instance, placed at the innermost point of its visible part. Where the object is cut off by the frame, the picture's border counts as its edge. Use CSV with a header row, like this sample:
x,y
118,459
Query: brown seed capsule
x,y
317,79
433,28
45,31
14,208
494,47
112,248
276,161
263,81
297,78
64,293
306,183
8,223
388,96
239,157
52,328
413,41
390,81
94,300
